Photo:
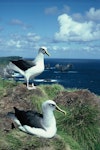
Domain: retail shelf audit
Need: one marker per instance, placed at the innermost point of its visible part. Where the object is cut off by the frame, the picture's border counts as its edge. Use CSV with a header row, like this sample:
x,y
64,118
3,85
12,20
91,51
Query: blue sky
x,y
68,28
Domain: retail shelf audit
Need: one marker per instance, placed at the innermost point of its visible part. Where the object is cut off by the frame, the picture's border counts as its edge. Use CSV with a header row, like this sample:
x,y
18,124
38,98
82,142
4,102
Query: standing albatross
x,y
41,125
30,69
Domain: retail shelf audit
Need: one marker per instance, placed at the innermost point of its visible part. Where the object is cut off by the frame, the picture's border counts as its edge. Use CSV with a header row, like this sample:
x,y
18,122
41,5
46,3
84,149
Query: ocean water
x,y
84,74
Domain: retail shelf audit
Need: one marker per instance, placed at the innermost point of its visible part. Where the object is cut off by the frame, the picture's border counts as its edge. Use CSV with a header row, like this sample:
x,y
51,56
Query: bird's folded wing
x,y
34,119
23,64
30,118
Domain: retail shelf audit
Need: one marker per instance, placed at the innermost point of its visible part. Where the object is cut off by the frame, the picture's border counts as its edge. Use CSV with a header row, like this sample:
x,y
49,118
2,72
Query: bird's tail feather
x,y
15,68
11,115
16,110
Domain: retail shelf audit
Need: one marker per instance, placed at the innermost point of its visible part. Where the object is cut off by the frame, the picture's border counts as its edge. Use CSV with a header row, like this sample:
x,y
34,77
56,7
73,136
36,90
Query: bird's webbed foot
x,y
31,87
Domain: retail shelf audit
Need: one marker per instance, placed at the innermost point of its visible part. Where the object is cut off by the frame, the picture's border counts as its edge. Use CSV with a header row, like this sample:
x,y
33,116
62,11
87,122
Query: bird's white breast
x,y
35,70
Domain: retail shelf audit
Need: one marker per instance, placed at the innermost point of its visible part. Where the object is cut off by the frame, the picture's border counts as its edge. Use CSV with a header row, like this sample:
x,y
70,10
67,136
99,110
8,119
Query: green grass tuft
x,y
52,90
81,122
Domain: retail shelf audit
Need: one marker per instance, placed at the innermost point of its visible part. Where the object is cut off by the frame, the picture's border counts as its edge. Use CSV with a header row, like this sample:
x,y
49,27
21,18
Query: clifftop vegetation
x,y
5,60
79,130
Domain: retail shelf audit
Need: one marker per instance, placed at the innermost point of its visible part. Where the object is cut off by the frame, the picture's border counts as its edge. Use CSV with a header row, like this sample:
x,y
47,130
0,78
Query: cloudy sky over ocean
x,y
69,28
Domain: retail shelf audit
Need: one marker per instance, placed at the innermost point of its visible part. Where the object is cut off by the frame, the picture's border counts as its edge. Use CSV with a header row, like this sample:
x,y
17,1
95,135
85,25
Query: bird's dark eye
x,y
52,105
43,51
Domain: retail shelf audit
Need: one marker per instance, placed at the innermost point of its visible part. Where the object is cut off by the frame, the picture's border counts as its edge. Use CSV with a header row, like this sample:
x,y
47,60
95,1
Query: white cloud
x,y
71,30
13,43
16,22
51,10
20,23
66,9
33,37
55,47
87,48
93,14
77,17
55,10
60,48
20,44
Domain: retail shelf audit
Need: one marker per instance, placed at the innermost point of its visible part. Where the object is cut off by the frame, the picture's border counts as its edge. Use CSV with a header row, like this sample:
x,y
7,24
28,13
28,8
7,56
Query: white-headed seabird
x,y
32,122
30,69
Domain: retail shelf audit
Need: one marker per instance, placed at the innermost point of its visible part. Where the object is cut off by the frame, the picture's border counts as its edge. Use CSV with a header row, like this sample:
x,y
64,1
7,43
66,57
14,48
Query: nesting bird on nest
x,y
30,69
32,122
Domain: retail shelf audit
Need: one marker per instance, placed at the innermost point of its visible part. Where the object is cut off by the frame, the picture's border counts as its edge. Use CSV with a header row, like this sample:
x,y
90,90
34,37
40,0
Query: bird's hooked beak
x,y
47,53
59,109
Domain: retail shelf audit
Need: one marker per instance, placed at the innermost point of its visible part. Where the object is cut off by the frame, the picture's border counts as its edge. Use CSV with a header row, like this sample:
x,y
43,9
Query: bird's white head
x,y
51,105
44,50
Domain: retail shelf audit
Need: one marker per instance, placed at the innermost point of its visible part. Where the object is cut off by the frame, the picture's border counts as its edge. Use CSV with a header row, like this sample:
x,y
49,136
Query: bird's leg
x,y
27,83
33,86
28,87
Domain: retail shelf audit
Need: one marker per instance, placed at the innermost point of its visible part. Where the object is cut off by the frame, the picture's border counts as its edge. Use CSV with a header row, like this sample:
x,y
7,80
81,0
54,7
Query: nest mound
x,y
84,96
18,97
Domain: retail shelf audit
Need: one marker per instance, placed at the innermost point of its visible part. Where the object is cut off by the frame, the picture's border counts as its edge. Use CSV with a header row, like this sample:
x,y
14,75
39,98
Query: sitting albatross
x,y
30,69
32,122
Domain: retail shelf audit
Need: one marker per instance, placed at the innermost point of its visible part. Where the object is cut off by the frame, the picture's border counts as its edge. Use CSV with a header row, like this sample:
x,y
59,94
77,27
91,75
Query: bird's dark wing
x,y
32,63
34,119
30,118
23,64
